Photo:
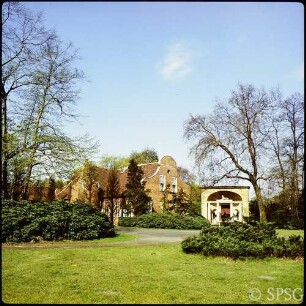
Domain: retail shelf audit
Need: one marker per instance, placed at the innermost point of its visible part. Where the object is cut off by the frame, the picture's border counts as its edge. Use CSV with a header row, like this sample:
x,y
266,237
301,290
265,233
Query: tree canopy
x,y
233,143
135,190
120,162
39,89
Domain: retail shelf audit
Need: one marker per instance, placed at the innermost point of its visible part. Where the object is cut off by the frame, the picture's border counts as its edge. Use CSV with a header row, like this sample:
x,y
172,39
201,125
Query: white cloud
x,y
177,63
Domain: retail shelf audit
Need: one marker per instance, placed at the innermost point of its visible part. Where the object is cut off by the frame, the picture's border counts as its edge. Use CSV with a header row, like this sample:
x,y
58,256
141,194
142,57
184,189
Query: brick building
x,y
158,176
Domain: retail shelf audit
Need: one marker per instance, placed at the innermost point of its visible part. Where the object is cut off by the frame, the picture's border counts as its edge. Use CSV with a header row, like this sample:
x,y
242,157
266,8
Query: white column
x,y
240,212
218,211
204,209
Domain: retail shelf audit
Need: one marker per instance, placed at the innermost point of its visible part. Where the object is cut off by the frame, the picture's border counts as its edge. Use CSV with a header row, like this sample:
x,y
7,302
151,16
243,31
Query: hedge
x,y
165,220
24,221
241,240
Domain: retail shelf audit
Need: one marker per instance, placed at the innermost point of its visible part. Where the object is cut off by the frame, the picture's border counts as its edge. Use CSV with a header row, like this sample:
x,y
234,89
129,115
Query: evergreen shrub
x,y
168,220
241,240
24,221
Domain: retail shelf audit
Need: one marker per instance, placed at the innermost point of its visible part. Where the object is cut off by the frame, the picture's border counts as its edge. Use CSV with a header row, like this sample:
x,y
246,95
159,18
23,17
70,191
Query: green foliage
x,y
194,208
279,212
175,202
135,190
240,240
117,162
144,157
165,220
24,221
182,203
34,55
88,223
120,162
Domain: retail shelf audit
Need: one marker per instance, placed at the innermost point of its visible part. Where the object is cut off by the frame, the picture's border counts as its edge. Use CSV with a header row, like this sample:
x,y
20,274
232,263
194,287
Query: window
x,y
174,184
162,182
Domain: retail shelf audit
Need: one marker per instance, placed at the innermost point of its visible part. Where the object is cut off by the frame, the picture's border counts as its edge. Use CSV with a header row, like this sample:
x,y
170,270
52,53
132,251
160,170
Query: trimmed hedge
x,y
241,240
24,221
165,220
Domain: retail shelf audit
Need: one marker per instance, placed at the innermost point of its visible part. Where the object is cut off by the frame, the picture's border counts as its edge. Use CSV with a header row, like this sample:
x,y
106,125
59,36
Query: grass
x,y
286,232
144,274
120,237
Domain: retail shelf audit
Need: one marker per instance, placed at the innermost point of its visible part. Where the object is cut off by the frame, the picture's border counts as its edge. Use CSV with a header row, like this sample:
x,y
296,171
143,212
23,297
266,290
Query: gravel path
x,y
157,236
145,236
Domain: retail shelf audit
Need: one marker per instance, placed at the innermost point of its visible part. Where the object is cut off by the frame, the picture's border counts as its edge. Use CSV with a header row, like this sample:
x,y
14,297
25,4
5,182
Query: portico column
x,y
218,212
240,211
204,210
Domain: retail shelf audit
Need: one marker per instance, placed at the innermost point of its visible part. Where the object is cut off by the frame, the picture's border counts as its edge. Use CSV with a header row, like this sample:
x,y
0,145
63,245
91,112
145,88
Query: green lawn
x,y
121,237
286,233
144,274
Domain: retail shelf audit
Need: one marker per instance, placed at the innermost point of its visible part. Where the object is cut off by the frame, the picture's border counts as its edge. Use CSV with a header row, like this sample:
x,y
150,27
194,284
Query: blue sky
x,y
151,64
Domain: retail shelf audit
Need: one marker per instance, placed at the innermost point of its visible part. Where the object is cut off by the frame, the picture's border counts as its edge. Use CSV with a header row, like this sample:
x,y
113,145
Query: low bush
x,y
23,221
165,220
241,240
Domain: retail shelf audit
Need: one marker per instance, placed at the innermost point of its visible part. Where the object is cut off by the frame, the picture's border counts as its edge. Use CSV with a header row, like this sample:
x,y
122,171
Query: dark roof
x,y
102,174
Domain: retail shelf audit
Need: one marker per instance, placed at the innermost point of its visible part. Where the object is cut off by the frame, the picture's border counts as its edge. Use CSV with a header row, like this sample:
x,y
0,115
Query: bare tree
x,y
279,171
293,117
286,142
229,144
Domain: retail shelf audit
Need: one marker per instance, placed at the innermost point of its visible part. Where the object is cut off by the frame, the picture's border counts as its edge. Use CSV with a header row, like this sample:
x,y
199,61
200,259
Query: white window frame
x,y
174,184
162,183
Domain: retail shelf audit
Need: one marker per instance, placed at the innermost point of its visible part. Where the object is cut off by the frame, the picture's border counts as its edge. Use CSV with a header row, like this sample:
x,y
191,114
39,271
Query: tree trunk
x,y
4,164
112,210
294,191
260,203
294,178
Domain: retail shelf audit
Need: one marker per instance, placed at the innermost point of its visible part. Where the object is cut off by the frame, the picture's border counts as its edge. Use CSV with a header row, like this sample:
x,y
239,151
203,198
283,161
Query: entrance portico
x,y
225,203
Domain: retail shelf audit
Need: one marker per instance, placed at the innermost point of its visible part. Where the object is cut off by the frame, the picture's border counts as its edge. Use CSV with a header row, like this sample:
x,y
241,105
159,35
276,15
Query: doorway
x,y
225,211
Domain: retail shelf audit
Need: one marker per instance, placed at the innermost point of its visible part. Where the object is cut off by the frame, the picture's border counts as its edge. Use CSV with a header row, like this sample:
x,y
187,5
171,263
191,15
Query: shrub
x,y
88,223
169,220
23,221
240,240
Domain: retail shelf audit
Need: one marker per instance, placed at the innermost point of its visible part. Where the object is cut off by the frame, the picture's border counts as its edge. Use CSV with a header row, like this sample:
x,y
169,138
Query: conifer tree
x,y
135,190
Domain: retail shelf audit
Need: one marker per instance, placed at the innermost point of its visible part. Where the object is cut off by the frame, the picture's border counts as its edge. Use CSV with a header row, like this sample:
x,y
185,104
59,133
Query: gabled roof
x,y
101,174
148,169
